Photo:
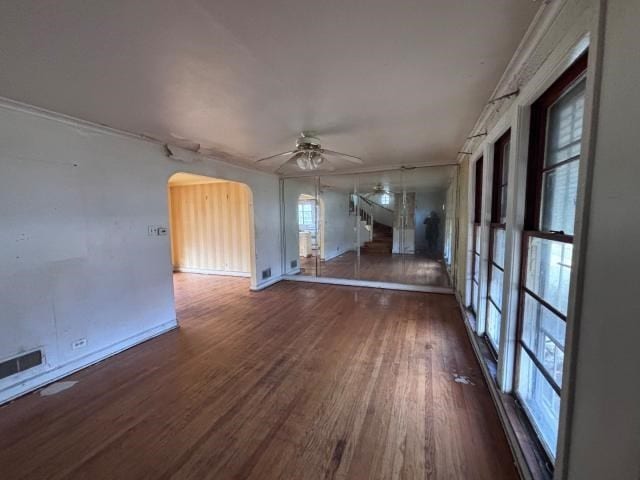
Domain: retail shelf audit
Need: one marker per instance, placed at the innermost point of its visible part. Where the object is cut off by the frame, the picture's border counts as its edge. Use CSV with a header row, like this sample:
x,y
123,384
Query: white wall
x,y
605,425
76,260
339,226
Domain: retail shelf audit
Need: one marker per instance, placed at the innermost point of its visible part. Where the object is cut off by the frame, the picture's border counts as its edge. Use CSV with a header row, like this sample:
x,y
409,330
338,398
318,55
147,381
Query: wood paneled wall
x,y
210,228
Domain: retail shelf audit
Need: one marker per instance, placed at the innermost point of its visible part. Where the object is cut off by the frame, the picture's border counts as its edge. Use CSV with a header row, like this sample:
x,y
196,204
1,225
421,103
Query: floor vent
x,y
20,364
266,273
294,263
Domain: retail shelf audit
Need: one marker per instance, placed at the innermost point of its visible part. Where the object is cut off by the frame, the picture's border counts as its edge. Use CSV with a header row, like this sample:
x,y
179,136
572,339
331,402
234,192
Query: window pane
x,y
549,271
495,288
559,192
503,204
494,320
540,400
477,238
505,162
544,333
565,120
476,267
560,185
474,295
498,247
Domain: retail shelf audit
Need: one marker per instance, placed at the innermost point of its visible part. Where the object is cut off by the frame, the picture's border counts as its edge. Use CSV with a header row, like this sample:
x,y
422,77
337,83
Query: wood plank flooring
x,y
415,269
300,381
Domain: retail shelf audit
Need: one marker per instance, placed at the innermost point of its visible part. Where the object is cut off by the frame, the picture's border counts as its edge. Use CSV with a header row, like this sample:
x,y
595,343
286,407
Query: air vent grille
x,y
20,364
294,263
266,273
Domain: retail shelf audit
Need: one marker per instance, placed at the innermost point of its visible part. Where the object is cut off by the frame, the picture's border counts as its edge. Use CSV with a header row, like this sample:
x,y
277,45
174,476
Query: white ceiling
x,y
395,82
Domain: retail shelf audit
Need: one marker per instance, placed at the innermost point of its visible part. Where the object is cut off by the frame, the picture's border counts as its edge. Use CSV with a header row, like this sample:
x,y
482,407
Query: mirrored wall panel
x,y
393,226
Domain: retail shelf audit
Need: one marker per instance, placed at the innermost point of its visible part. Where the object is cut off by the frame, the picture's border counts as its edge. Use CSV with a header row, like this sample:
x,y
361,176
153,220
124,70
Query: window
x,y
477,219
497,239
307,215
385,199
552,186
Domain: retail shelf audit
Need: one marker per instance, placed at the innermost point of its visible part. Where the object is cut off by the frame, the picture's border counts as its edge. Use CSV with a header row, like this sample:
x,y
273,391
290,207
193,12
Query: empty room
x,y
319,240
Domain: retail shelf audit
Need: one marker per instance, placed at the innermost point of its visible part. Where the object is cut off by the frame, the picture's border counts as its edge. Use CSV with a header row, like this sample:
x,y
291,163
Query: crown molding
x,y
510,79
86,126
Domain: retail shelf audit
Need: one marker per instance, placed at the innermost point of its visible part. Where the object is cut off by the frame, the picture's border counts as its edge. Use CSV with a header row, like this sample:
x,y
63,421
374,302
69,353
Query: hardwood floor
x,y
412,269
300,381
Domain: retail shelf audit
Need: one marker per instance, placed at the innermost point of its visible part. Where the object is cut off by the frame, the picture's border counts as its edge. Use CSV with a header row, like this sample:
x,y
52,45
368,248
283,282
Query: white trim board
x,y
268,283
370,284
33,383
204,271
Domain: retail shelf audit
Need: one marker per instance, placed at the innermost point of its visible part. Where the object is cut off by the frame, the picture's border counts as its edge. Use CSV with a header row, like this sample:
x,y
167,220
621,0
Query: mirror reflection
x,y
393,226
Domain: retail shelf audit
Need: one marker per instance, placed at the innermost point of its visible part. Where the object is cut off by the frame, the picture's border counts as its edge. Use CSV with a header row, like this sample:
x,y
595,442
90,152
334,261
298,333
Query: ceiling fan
x,y
309,154
378,189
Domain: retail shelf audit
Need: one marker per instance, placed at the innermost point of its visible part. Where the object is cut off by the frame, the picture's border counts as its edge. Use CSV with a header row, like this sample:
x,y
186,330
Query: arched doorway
x,y
211,226
310,232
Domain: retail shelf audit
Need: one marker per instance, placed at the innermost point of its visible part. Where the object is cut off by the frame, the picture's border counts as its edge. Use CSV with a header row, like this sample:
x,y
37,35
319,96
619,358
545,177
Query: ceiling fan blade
x,y
276,155
291,162
349,158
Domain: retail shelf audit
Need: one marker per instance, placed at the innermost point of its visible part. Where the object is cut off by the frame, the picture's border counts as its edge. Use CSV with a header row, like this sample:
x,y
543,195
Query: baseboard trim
x,y
406,287
268,283
40,380
204,271
335,255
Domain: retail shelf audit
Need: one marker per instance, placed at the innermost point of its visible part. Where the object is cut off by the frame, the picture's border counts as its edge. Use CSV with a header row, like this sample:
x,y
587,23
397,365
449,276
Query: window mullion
x,y
485,220
516,193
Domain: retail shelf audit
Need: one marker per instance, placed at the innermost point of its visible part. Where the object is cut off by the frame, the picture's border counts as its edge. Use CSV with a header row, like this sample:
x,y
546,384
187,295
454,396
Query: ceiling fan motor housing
x,y
308,143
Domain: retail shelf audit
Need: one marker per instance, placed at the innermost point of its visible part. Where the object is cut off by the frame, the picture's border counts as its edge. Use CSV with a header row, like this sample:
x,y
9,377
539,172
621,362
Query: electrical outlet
x,y
162,231
80,343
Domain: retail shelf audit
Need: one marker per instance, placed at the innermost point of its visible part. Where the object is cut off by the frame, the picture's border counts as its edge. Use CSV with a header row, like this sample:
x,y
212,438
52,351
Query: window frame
x,y
475,245
532,227
496,223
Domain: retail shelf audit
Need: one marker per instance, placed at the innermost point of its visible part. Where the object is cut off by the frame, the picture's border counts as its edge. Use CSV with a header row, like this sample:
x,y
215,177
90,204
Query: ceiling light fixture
x,y
309,155
308,160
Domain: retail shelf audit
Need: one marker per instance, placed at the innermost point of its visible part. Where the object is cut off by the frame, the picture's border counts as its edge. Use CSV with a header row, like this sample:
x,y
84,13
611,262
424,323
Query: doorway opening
x,y
310,233
211,229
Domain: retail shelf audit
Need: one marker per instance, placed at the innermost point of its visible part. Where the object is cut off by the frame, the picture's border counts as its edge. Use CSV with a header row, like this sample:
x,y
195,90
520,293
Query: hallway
x,y
366,384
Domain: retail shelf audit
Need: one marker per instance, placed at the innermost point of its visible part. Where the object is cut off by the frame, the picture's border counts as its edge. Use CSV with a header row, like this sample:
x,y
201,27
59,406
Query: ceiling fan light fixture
x,y
315,160
302,162
309,155
298,159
